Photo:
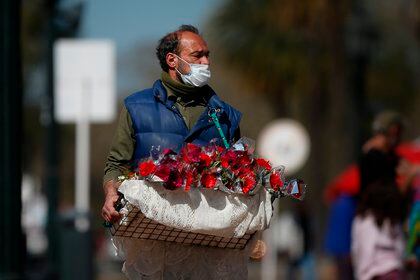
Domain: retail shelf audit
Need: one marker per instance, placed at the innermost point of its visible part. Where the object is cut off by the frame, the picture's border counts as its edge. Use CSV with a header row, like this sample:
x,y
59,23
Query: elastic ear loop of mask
x,y
183,60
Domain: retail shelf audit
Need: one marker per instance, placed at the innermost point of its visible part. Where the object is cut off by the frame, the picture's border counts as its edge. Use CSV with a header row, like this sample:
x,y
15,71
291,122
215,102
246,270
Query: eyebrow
x,y
206,53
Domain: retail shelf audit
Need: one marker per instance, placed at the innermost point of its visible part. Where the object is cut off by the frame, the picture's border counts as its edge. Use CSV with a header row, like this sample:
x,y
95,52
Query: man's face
x,y
193,49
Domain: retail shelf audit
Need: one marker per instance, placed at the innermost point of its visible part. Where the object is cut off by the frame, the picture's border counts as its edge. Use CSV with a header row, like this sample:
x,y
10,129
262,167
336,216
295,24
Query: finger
x,y
110,209
110,203
114,218
106,216
103,213
106,213
115,214
112,213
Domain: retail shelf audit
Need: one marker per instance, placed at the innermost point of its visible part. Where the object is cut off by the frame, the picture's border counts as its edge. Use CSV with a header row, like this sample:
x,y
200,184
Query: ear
x,y
171,60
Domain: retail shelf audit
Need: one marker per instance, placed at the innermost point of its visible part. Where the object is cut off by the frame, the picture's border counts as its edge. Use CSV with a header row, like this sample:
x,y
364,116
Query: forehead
x,y
191,42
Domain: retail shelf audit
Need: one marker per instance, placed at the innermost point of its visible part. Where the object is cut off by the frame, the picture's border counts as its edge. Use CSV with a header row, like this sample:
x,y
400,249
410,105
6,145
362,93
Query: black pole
x,y
11,237
51,151
360,41
61,23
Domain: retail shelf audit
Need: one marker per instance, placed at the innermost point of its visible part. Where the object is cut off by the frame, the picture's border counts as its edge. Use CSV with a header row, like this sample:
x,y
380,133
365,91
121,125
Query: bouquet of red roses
x,y
233,170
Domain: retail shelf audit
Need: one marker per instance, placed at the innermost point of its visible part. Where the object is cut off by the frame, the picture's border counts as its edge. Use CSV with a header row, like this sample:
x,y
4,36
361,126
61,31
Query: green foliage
x,y
292,47
278,45
331,64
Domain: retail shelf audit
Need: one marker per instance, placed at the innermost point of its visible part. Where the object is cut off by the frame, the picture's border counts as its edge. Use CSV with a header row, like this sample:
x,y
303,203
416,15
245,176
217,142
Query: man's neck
x,y
185,93
173,75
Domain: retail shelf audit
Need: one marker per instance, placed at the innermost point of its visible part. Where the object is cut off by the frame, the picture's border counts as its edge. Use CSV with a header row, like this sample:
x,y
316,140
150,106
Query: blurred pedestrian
x,y
342,205
378,163
379,160
377,234
338,233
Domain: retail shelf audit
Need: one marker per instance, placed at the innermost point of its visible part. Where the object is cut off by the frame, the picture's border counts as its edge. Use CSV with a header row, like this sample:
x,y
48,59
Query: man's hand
x,y
111,196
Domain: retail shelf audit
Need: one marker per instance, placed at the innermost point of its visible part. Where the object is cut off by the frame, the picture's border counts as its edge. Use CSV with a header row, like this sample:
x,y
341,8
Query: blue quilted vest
x,y
158,123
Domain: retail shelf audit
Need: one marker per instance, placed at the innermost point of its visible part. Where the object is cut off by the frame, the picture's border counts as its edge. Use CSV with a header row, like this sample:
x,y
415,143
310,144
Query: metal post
x,y
270,261
82,196
11,237
51,151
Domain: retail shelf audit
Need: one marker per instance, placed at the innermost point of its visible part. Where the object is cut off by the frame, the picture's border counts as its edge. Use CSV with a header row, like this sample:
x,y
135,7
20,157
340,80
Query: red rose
x,y
163,171
227,159
263,163
168,151
244,172
147,168
242,158
205,159
248,183
208,180
175,181
190,153
189,178
275,181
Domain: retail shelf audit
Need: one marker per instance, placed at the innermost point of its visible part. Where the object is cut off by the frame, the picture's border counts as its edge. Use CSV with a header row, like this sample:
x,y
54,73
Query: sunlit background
x,y
328,65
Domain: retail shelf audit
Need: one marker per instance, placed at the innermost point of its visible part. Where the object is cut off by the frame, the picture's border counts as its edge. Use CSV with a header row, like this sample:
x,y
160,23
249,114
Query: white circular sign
x,y
284,142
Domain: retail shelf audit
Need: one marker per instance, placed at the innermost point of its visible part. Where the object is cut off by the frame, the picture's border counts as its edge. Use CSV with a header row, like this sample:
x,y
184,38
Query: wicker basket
x,y
135,225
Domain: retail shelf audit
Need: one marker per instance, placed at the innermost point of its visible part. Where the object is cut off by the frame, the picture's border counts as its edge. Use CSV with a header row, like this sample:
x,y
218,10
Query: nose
x,y
205,60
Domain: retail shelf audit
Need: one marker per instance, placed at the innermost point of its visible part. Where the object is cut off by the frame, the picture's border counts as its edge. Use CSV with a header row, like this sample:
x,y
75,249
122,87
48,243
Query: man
x,y
176,110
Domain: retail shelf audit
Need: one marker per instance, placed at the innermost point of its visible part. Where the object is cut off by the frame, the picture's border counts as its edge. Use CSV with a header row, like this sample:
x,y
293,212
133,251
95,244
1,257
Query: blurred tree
x,y
331,64
289,50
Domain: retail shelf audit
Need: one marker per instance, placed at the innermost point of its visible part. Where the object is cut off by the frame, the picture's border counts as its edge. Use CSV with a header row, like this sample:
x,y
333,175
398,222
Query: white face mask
x,y
199,74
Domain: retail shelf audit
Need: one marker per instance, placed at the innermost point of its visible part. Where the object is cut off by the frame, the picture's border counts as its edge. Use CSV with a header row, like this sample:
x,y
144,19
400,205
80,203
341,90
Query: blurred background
x,y
329,65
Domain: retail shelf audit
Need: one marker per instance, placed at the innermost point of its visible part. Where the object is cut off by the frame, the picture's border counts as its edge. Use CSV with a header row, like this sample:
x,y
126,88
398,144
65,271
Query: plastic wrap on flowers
x,y
234,170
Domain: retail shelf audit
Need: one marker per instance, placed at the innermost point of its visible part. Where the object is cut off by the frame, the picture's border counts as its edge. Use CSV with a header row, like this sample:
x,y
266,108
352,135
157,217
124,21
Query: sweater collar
x,y
185,94
212,100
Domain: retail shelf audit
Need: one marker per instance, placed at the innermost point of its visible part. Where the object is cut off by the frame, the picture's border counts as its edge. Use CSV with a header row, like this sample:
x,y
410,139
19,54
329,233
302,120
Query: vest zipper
x,y
175,109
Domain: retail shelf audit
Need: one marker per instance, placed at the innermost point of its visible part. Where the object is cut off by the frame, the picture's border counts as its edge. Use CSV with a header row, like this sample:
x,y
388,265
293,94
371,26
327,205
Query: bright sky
x,y
130,22
135,23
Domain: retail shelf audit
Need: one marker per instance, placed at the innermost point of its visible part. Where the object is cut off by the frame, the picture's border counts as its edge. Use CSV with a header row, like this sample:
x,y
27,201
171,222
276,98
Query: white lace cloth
x,y
202,211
